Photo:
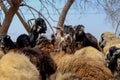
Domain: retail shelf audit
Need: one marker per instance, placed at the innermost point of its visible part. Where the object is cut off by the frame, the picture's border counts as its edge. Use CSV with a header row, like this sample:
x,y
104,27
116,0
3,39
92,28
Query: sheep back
x,y
17,67
85,67
92,53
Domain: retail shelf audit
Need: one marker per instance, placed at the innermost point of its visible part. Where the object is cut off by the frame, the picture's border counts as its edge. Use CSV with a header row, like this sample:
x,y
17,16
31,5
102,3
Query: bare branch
x,y
64,13
23,22
30,10
3,7
18,14
117,27
39,14
47,10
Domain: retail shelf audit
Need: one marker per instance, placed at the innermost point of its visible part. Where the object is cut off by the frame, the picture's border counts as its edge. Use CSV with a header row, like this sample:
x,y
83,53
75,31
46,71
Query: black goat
x,y
23,41
6,43
38,28
87,39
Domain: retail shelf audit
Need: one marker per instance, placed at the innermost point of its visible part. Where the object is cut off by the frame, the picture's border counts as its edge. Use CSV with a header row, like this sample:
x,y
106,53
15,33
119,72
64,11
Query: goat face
x,y
110,53
79,29
41,25
6,42
114,64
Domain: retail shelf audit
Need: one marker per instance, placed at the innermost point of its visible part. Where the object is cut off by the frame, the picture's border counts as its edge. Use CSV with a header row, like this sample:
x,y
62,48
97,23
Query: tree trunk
x,y
9,14
8,19
23,22
64,13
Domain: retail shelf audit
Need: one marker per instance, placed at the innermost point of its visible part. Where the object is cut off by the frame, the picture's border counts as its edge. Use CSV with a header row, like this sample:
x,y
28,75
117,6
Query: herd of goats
x,y
70,54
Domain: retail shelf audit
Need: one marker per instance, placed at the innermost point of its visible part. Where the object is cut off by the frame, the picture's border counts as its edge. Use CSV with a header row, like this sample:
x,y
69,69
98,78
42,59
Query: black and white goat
x,y
38,28
113,59
60,39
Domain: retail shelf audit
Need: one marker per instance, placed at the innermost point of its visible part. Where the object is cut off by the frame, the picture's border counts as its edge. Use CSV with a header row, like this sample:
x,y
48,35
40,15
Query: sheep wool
x,y
1,54
108,36
92,53
110,43
85,67
15,66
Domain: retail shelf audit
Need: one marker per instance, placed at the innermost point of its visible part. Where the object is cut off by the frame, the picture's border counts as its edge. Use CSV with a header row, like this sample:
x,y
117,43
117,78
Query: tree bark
x,y
23,22
18,14
8,19
9,14
64,13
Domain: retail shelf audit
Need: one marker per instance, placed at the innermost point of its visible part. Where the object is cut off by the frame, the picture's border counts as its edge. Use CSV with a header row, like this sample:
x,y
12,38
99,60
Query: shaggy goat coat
x,y
17,67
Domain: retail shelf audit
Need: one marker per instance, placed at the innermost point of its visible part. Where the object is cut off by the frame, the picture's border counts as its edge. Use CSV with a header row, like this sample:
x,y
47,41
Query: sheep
x,y
87,39
57,57
114,42
67,76
1,54
84,67
15,66
92,53
105,37
42,60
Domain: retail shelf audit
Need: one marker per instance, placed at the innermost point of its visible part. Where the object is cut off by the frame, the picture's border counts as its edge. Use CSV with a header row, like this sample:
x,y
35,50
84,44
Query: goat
x,y
60,39
87,39
6,43
110,52
23,40
38,28
114,64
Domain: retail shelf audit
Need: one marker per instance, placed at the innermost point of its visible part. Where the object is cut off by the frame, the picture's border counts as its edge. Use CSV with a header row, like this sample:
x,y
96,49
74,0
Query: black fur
x,y
23,41
38,28
87,39
6,42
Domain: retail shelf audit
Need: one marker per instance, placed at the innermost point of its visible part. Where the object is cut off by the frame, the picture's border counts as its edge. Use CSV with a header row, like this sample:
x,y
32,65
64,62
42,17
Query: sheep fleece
x,y
17,67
